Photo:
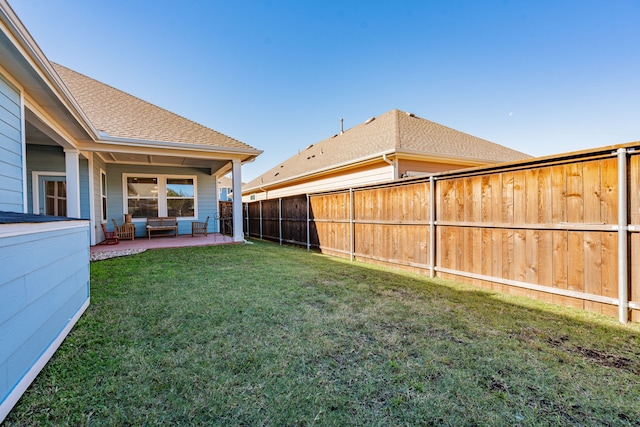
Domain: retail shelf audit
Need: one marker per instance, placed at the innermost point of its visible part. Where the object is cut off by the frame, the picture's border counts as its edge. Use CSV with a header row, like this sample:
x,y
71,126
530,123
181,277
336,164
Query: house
x,y
391,146
225,189
75,153
149,162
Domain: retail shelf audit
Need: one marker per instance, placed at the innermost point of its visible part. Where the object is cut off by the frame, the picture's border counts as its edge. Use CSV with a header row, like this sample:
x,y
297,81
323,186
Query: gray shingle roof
x,y
392,132
122,115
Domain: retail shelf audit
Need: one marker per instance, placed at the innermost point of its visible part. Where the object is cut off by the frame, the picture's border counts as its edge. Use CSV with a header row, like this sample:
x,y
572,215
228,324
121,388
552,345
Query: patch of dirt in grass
x,y
610,360
561,342
599,357
400,293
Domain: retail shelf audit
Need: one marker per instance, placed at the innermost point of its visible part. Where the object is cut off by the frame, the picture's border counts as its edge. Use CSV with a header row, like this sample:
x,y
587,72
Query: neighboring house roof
x,y
225,182
394,132
117,114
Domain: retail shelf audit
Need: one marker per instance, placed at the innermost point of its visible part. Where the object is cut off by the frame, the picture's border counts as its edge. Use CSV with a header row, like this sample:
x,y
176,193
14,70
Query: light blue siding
x,y
9,98
206,194
11,173
45,284
224,195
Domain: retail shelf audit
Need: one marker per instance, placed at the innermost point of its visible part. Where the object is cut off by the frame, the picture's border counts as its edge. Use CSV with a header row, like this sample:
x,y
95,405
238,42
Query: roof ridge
x,y
377,136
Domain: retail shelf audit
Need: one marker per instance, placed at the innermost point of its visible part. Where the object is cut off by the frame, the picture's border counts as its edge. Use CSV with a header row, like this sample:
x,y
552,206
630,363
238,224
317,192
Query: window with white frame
x,y
160,195
103,195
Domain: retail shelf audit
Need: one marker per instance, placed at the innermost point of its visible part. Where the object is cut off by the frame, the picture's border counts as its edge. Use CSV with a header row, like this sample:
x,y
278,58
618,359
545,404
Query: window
x,y
152,196
142,197
56,198
180,197
103,195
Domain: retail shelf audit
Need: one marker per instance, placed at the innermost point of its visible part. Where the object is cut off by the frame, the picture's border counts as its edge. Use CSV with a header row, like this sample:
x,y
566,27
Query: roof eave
x,y
322,171
441,158
143,143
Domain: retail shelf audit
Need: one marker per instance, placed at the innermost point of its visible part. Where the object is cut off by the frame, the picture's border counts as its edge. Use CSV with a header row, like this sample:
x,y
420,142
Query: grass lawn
x,y
268,335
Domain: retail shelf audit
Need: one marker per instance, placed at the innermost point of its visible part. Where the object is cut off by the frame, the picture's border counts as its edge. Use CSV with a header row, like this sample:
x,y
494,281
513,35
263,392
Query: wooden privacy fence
x,y
565,230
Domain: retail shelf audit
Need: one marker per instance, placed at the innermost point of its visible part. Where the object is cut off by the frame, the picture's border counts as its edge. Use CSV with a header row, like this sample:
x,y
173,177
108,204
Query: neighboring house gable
x,y
383,148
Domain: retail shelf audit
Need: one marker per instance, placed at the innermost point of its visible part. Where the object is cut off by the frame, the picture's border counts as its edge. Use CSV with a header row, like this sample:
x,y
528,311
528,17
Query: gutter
x,y
341,166
266,192
173,145
448,158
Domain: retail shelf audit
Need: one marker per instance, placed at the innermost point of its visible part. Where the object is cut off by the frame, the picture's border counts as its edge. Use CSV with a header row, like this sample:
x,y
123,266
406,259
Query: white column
x,y
72,167
238,234
92,206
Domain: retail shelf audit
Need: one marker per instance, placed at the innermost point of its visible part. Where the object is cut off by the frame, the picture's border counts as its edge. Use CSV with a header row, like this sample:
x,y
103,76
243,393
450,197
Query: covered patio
x,y
140,244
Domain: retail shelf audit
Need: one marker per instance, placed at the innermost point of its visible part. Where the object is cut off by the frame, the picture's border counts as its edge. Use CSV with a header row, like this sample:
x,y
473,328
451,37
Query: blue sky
x,y
543,77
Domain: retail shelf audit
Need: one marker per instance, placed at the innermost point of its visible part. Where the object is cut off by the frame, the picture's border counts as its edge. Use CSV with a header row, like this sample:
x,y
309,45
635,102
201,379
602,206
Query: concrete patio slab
x,y
141,244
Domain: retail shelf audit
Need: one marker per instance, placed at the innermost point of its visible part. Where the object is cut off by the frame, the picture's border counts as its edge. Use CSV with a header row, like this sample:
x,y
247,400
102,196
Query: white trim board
x,y
35,180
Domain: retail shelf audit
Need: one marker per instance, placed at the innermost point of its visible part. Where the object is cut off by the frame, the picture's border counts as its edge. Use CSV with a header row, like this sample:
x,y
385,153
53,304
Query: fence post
x,y
260,217
623,227
308,223
246,212
280,219
351,226
432,227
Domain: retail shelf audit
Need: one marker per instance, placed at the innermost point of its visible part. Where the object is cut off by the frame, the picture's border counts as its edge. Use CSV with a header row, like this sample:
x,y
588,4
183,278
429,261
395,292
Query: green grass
x,y
267,335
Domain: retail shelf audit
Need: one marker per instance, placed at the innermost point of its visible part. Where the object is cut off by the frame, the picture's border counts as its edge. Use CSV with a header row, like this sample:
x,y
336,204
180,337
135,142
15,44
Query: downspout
x,y
266,192
393,166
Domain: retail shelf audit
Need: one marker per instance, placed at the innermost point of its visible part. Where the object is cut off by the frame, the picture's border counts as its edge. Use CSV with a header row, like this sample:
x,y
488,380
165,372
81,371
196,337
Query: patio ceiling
x,y
38,134
154,159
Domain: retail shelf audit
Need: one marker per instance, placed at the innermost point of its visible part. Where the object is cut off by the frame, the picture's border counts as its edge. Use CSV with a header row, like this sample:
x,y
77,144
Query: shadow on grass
x,y
268,335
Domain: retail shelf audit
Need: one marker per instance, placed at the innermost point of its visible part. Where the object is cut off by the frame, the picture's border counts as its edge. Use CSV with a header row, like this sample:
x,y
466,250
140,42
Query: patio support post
x,y
238,234
72,171
623,227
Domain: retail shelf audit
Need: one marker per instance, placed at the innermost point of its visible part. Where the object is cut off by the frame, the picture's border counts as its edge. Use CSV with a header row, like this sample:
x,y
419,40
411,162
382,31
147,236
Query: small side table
x,y
127,231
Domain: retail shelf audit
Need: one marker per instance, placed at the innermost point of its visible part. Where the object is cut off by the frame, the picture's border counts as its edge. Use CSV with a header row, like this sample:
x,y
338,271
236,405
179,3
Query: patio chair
x,y
110,237
199,228
124,231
